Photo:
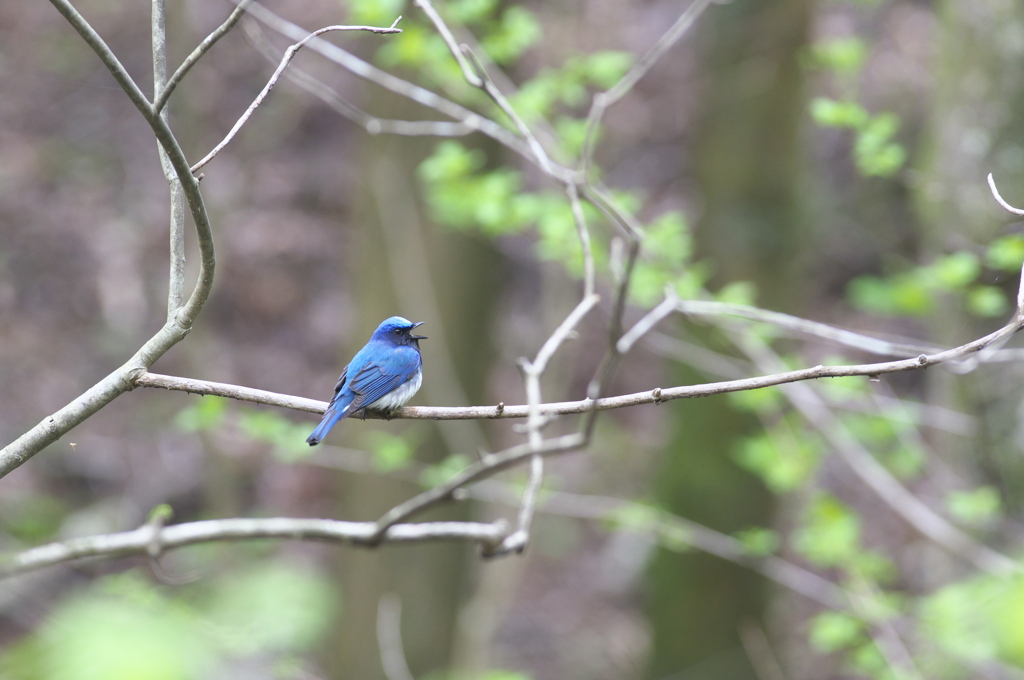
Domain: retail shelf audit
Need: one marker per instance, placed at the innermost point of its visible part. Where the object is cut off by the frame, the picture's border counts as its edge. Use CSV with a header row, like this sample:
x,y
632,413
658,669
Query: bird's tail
x,y
331,418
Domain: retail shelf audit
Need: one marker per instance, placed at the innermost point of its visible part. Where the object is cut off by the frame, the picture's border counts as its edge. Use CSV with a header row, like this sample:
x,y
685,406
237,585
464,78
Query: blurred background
x,y
823,158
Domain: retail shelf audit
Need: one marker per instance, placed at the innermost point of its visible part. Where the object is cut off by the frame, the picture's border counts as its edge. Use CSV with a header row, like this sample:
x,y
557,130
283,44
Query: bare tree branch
x,y
289,54
180,321
165,90
603,100
149,539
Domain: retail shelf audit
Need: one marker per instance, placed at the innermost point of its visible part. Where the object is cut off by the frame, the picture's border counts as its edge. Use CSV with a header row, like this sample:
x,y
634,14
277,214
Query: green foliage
x,y
445,470
831,113
286,438
916,292
205,413
462,195
844,56
834,631
390,452
1006,253
375,12
829,535
123,628
977,507
34,518
874,151
785,462
273,608
511,35
978,620
758,541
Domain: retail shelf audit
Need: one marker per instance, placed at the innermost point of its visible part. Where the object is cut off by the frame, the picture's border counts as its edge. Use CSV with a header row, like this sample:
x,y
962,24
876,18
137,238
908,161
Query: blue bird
x,y
382,376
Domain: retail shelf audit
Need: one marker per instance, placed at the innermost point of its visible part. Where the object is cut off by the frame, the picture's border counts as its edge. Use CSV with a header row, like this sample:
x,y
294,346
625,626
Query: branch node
x,y
499,409
922,360
656,396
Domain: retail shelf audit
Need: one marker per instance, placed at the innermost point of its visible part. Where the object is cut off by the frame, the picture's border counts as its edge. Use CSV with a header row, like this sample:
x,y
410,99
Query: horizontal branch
x,y
654,396
153,540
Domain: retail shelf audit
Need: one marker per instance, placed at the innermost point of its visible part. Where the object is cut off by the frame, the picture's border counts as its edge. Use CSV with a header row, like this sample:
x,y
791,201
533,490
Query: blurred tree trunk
x,y
749,162
404,266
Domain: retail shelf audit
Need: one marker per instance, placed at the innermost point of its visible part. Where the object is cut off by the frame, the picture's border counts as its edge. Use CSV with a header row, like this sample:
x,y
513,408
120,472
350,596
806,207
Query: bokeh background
x,y
322,230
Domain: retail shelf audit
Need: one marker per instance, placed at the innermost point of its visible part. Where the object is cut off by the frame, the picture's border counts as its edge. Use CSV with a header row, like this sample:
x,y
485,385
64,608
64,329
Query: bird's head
x,y
398,331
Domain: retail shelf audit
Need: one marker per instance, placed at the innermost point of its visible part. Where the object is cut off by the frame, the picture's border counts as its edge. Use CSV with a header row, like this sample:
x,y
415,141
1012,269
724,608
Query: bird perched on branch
x,y
382,376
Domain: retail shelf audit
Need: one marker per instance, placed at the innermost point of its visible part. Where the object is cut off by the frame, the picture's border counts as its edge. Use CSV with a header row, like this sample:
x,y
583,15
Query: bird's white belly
x,y
398,396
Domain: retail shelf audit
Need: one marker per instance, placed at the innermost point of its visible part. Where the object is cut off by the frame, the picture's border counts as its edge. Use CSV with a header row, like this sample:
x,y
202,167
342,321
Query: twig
x,y
139,541
117,382
999,199
389,638
418,94
476,75
584,235
449,40
876,477
603,100
327,94
575,407
289,54
165,90
490,465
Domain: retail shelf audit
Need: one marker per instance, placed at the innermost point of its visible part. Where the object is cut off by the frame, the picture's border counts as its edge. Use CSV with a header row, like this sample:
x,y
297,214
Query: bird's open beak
x,y
417,337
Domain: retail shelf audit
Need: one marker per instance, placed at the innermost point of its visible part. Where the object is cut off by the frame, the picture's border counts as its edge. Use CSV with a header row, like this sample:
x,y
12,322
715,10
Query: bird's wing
x,y
376,378
339,385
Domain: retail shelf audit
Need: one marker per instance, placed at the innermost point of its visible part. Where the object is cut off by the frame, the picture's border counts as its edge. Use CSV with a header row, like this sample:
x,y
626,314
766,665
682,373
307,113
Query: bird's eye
x,y
398,331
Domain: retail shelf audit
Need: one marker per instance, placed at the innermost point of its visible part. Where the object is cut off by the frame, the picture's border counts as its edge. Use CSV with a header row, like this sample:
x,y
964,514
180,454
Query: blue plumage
x,y
382,376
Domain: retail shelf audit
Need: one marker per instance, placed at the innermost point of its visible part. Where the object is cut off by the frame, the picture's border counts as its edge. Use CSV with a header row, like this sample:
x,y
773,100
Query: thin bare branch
x,y
603,100
389,638
163,92
449,39
367,71
143,540
584,235
874,475
99,395
999,199
289,54
327,94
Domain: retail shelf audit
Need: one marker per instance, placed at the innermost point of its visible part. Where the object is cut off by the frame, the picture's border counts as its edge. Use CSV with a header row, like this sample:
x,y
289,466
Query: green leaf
x,y
445,470
977,506
120,629
206,413
987,301
738,293
831,113
275,607
874,152
1006,253
758,541
604,69
955,271
634,517
832,631
830,533
782,467
390,452
471,11
517,31
287,439
896,296
375,12
844,55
